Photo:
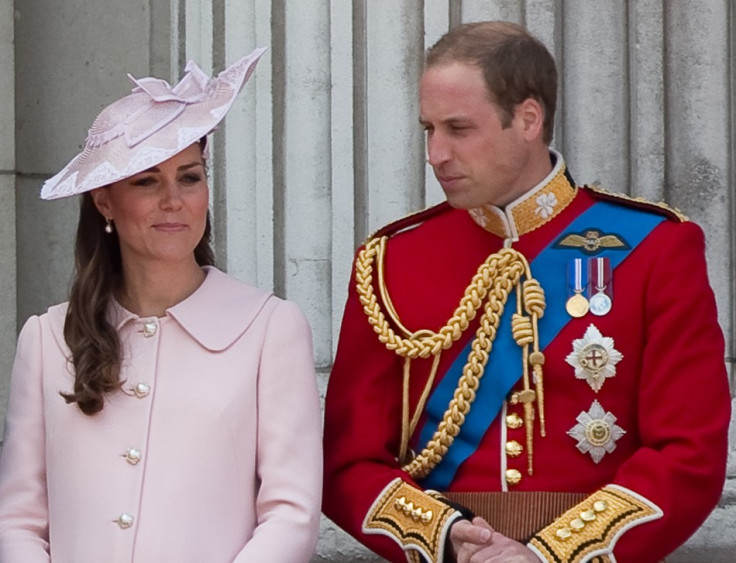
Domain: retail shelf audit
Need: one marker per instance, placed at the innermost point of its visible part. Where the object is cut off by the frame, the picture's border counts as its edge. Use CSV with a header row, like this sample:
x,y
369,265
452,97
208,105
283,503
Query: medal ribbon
x,y
503,368
575,274
601,274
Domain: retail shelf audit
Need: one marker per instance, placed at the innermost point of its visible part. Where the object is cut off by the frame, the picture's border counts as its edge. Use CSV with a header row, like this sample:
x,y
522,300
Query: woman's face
x,y
160,213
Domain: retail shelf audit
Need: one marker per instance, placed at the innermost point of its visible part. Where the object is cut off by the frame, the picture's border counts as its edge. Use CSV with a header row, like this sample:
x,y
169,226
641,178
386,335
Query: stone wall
x,y
325,147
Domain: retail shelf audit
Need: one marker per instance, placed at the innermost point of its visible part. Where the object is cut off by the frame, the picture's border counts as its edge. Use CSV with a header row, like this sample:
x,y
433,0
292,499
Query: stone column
x,y
8,321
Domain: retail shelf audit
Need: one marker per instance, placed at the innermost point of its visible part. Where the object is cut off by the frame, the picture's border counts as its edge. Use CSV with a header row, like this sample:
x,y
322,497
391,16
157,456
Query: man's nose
x,y
437,150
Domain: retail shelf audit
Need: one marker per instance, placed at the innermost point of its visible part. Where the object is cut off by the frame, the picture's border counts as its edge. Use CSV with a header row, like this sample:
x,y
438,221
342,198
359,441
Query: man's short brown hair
x,y
515,65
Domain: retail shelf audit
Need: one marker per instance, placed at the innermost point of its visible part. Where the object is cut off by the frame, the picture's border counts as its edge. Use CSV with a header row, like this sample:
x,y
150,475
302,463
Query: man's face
x,y
475,159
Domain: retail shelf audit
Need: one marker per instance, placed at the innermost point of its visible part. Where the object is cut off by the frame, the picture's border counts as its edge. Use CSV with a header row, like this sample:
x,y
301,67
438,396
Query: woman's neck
x,y
149,290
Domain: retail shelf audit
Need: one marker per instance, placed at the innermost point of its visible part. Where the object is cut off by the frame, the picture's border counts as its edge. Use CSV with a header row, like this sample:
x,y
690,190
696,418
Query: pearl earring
x,y
108,225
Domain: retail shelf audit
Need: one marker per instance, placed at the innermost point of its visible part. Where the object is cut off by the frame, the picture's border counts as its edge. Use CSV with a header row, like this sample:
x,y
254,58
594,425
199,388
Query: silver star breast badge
x,y
596,432
594,358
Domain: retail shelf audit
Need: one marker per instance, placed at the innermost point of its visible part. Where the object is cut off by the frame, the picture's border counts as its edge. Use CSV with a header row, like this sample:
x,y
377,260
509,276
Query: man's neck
x,y
537,168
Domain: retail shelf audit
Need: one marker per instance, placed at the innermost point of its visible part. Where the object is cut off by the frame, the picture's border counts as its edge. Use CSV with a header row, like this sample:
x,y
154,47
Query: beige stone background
x,y
325,145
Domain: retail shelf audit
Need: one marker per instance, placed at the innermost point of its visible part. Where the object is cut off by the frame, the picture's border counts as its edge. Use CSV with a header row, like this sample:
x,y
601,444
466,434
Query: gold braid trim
x,y
640,201
592,527
495,279
422,344
417,520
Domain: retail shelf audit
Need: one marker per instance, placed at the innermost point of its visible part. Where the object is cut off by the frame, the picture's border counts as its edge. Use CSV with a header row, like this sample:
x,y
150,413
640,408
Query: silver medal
x,y
600,304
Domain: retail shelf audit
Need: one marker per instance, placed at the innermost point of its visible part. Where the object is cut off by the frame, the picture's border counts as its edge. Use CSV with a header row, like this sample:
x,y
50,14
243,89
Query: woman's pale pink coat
x,y
220,402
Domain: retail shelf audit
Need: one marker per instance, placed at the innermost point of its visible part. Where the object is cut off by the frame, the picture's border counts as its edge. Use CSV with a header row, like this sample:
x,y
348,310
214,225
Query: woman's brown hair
x,y
93,341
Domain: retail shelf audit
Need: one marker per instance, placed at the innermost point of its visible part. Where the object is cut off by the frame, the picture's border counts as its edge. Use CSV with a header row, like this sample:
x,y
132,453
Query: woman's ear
x,y
101,199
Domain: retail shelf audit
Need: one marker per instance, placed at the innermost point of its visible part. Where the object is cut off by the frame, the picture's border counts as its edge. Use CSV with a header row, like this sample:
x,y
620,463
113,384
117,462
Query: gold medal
x,y
577,306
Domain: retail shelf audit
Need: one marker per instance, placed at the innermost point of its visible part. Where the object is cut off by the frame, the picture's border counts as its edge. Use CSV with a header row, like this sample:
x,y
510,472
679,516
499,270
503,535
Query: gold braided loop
x,y
469,382
533,298
521,329
492,284
534,305
424,343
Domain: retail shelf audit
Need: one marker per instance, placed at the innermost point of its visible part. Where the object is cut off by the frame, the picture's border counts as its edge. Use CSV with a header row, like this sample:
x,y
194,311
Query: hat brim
x,y
140,132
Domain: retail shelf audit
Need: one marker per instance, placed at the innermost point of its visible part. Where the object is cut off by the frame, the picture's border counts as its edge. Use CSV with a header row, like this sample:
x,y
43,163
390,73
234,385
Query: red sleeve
x,y
362,425
684,403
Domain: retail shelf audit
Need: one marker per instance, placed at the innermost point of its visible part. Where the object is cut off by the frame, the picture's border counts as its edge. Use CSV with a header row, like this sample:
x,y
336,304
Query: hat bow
x,y
165,104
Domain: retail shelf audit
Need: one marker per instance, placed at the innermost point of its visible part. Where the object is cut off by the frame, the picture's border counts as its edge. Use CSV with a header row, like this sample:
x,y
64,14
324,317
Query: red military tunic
x,y
656,469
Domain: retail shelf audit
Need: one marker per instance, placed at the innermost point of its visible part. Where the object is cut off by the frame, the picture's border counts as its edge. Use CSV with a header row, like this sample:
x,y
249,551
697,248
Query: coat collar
x,y
215,315
533,209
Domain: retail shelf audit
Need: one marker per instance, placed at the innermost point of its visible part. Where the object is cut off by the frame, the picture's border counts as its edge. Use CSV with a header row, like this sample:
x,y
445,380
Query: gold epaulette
x,y
417,520
639,202
411,220
591,528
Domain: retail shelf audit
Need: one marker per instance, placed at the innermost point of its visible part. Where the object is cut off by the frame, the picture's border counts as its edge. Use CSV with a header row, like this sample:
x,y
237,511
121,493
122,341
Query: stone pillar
x,y
8,321
71,60
324,146
302,164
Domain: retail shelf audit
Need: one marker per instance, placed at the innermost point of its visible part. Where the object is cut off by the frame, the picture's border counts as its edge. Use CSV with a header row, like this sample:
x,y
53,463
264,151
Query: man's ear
x,y
530,119
101,199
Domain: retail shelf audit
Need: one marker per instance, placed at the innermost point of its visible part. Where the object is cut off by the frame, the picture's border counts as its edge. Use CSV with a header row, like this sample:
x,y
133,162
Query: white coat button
x,y
142,390
149,328
132,455
125,520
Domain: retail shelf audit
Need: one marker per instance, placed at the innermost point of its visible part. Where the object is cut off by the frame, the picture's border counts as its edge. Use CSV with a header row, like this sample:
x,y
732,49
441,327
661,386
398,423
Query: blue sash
x,y
503,369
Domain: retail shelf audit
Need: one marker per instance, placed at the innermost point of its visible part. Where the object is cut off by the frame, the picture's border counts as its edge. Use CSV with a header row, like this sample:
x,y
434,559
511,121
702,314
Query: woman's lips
x,y
170,227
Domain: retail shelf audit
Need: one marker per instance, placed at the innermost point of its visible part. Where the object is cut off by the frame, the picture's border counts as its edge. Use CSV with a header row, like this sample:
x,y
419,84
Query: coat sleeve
x,y
289,449
683,410
23,498
364,483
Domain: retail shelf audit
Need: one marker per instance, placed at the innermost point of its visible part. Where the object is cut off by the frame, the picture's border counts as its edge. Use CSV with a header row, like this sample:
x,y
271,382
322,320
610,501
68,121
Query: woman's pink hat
x,y
150,125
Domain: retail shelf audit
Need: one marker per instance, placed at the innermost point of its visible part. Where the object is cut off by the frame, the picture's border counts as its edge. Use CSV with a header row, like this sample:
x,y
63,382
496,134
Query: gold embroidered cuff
x,y
416,520
592,527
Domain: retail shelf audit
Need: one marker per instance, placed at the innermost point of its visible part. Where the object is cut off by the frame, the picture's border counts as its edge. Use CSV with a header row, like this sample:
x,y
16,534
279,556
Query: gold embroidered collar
x,y
533,209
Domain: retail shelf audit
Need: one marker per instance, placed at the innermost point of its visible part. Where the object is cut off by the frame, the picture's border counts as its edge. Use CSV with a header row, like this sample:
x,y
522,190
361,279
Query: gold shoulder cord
x,y
495,279
638,199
